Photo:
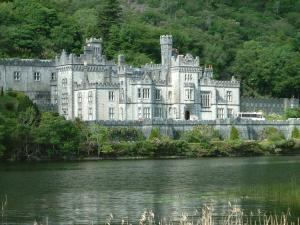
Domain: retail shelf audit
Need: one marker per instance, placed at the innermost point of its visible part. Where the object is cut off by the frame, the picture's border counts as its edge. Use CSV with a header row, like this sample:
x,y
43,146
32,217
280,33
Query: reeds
x,y
233,216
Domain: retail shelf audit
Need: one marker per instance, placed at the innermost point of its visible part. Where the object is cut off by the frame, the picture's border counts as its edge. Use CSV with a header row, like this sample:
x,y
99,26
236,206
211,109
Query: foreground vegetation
x,y
234,215
257,41
28,134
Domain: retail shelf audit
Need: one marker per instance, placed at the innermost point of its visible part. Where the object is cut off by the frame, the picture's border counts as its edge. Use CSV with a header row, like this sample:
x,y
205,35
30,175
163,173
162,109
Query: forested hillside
x,y
258,41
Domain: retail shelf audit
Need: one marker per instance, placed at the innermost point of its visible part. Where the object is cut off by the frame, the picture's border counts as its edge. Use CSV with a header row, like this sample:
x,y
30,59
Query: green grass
x,y
283,193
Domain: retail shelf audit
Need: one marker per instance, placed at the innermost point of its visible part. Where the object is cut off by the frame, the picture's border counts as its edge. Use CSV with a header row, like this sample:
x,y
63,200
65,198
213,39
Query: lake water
x,y
78,193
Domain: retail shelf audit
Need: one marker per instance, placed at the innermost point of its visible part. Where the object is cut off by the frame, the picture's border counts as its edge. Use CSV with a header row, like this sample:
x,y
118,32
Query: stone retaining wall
x,y
248,129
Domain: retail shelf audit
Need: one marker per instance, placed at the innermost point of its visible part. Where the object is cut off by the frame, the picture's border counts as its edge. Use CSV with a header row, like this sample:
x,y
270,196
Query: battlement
x,y
93,40
27,62
166,40
152,66
220,83
208,71
105,85
185,60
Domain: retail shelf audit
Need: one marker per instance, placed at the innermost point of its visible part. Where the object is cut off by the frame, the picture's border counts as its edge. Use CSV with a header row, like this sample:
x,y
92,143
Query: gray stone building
x,y
268,105
93,88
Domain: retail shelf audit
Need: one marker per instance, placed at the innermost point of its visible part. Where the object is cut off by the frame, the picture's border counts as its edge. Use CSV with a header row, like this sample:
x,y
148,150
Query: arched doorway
x,y
187,115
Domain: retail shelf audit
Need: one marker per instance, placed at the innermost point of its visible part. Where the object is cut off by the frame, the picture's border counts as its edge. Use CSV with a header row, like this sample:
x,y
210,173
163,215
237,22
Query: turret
x,y
166,42
93,46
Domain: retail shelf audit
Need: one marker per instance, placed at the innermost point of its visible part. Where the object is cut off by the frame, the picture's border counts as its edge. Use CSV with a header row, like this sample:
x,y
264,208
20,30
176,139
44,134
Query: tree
x,y
109,14
234,134
295,133
58,136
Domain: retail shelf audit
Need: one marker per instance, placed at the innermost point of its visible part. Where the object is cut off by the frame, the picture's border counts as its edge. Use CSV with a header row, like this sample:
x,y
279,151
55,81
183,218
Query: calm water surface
x,y
77,193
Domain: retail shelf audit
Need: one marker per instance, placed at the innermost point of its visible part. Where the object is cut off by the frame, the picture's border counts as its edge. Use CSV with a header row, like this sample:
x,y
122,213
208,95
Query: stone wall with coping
x,y
248,129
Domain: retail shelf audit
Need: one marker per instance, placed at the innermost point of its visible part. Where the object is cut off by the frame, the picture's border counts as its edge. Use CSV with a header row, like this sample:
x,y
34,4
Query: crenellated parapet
x,y
219,83
88,68
185,60
104,85
208,72
152,66
190,69
166,39
27,62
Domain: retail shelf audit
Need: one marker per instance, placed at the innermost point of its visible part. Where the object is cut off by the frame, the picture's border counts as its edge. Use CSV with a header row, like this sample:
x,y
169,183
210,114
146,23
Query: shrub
x,y
295,133
248,148
234,134
155,133
200,134
10,106
272,134
125,134
12,94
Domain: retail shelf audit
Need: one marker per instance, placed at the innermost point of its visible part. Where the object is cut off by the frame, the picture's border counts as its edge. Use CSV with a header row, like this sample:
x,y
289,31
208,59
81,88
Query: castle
x,y
92,88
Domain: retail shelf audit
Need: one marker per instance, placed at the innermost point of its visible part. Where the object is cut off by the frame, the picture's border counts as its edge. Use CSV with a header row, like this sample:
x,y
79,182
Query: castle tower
x,y
93,46
166,42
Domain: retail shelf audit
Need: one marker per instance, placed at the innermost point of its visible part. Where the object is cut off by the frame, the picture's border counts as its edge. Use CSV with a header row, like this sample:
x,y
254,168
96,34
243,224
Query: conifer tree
x,y
109,14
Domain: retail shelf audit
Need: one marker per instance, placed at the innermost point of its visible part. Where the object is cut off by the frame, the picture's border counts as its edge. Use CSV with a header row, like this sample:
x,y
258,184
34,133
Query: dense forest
x,y
258,41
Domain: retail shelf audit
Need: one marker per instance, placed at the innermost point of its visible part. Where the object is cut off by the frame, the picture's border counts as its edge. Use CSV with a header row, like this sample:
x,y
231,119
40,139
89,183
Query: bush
x,y
272,134
155,133
10,106
200,134
234,134
248,148
12,94
125,134
295,133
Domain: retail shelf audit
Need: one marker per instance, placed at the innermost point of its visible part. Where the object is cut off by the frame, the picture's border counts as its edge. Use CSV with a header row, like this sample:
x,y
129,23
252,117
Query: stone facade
x,y
31,76
248,129
268,105
93,88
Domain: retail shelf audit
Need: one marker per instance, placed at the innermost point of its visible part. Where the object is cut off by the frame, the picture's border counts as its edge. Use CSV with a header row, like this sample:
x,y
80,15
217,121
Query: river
x,y
81,192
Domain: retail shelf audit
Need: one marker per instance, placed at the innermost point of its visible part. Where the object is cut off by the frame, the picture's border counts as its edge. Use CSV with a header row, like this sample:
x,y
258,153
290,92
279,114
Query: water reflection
x,y
76,193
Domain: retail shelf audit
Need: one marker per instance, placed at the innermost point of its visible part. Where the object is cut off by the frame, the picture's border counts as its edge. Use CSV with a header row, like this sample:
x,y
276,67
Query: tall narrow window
x,y
146,112
220,113
90,113
158,112
229,113
205,99
37,76
139,92
139,112
146,93
122,94
64,82
189,94
90,96
17,75
111,96
111,113
229,96
53,76
157,94
79,96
